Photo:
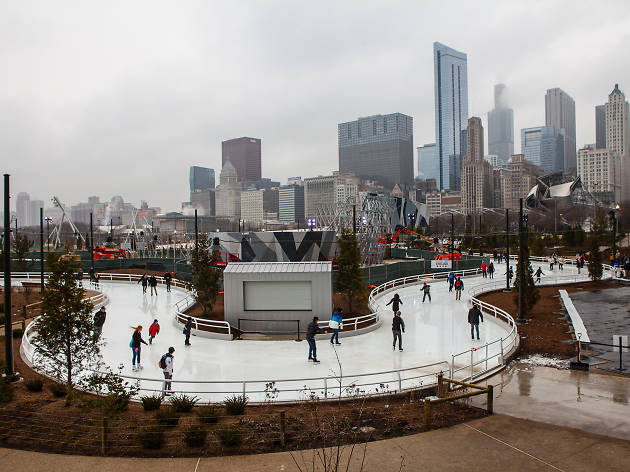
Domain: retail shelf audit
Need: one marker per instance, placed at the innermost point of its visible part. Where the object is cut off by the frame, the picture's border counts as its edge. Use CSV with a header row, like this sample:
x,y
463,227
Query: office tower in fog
x,y
245,155
560,113
501,126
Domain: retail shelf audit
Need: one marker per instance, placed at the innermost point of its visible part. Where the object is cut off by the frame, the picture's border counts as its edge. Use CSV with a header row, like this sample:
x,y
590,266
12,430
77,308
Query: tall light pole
x,y
521,263
507,249
91,247
452,241
41,249
613,224
49,219
8,323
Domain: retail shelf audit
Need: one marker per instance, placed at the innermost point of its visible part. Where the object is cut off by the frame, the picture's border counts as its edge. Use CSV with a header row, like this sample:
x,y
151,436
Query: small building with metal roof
x,y
277,297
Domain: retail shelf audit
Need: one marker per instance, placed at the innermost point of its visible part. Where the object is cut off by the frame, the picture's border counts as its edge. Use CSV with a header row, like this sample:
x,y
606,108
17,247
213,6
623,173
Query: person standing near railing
x,y
336,323
491,270
145,282
395,302
166,364
167,281
153,285
311,330
474,315
187,330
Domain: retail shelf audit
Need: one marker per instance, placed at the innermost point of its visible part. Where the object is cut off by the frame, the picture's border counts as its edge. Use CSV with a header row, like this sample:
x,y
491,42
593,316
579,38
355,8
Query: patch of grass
x,y
34,385
207,414
151,437
235,405
168,418
229,435
183,403
58,390
151,402
195,436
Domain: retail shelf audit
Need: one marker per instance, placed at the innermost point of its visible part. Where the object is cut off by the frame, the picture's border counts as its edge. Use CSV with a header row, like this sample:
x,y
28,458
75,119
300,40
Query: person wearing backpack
x,y
154,330
166,364
459,286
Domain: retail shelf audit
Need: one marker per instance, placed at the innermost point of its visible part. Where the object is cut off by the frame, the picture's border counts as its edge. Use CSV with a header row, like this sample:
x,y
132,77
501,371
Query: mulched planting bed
x,y
547,330
40,421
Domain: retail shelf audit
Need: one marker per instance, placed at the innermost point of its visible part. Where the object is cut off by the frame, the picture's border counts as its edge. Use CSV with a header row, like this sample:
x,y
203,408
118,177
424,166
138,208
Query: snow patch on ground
x,y
542,361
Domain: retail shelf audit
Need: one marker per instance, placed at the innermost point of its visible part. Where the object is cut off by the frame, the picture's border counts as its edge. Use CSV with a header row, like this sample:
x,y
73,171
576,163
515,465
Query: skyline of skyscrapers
x,y
428,164
477,190
378,147
560,113
501,126
451,111
201,178
245,156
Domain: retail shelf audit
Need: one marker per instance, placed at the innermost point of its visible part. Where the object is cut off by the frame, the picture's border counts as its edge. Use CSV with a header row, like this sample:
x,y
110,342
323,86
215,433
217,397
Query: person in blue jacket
x,y
336,323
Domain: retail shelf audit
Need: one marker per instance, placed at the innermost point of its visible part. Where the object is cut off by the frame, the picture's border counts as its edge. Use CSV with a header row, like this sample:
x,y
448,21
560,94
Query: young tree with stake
x,y
349,275
206,278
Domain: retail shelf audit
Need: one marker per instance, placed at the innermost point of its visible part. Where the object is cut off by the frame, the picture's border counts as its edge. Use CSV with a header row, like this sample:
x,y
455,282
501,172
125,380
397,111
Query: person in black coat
x,y
153,284
395,302
474,315
136,344
144,281
167,280
99,321
398,327
312,329
187,330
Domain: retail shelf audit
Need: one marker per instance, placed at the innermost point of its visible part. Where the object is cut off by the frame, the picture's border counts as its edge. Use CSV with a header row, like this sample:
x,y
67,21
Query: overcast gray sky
x,y
106,98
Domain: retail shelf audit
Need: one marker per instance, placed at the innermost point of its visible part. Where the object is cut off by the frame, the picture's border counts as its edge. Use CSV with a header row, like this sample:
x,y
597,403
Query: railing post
x,y
399,381
244,388
440,381
486,357
452,367
472,366
103,435
501,351
490,403
427,412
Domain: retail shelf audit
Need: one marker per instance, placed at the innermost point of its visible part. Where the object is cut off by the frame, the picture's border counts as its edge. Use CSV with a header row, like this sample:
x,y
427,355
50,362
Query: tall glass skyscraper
x,y
600,126
560,113
544,146
451,112
201,178
428,163
501,126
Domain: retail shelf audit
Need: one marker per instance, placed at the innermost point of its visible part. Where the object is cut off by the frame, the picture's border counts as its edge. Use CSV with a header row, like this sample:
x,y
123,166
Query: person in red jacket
x,y
154,329
484,270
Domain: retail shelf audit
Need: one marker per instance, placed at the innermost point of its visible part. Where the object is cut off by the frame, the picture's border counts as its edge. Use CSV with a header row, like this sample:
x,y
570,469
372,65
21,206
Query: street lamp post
x,y
521,264
41,249
507,249
613,224
452,241
49,219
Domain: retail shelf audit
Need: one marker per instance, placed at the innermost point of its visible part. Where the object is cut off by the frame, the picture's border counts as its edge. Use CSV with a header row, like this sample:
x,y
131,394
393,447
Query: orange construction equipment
x,y
109,253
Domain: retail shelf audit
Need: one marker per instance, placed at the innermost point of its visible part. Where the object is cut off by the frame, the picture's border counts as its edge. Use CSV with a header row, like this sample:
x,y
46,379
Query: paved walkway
x,y
496,443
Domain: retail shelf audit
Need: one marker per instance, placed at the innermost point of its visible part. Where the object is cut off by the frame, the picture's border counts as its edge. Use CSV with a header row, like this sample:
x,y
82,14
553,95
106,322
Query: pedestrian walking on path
x,y
395,302
166,364
474,315
136,345
153,284
99,321
538,273
426,288
336,323
459,286
311,330
145,282
510,275
167,280
491,270
187,330
451,281
398,327
154,330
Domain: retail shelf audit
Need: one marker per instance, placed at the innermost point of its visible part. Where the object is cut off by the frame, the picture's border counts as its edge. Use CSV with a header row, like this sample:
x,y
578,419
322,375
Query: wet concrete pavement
x,y
594,403
606,314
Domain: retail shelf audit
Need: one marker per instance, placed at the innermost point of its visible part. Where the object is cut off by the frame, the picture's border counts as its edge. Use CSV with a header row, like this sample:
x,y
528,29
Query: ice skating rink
x,y
212,368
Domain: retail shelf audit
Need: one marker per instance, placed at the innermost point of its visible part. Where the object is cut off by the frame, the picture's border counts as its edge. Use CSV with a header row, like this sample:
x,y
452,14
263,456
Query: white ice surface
x,y
433,332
